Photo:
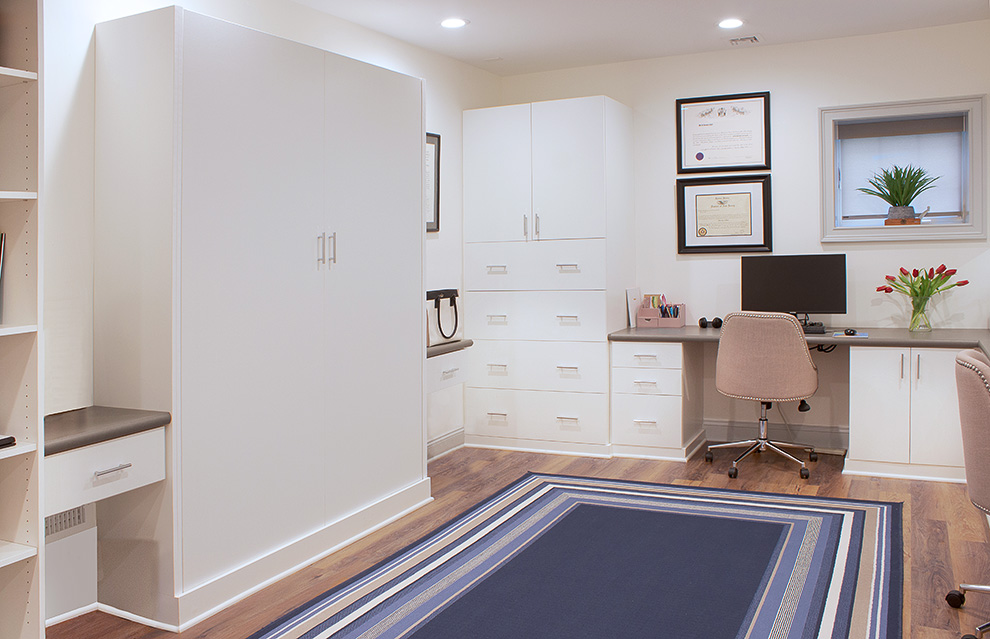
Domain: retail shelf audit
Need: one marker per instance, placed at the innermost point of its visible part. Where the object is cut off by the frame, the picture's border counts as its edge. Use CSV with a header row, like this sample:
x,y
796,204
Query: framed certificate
x,y
723,133
724,214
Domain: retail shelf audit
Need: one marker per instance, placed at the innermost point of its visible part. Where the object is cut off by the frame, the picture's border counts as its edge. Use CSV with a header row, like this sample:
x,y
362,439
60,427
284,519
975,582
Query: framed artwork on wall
x,y
724,133
432,182
724,214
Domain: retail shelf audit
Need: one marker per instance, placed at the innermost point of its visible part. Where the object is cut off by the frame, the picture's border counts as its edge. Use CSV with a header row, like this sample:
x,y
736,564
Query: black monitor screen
x,y
800,284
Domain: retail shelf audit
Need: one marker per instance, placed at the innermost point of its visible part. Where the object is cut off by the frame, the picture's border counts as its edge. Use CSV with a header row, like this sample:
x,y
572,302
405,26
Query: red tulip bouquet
x,y
920,286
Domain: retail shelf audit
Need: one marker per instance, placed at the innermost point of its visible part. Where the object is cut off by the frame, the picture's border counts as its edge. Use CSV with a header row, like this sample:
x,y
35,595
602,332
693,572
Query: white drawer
x,y
643,420
646,381
577,316
444,371
561,417
553,366
98,471
647,355
564,265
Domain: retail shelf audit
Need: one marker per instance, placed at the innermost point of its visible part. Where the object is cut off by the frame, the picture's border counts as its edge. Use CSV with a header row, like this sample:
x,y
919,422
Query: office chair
x,y
764,357
973,388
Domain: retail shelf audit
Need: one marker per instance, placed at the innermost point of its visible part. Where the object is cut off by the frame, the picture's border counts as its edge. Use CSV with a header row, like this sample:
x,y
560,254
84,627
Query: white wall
x,y
935,62
450,87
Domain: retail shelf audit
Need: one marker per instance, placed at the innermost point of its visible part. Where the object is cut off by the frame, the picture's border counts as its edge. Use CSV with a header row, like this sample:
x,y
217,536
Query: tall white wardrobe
x,y
549,252
259,275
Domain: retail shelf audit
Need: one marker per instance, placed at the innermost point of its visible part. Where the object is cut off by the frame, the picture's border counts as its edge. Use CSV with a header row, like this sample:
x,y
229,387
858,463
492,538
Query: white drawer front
x,y
646,381
527,266
642,420
95,472
444,371
553,366
562,417
577,316
647,355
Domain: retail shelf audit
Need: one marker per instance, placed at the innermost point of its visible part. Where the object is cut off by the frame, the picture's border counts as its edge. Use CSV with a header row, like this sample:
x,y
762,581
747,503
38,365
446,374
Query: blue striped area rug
x,y
562,557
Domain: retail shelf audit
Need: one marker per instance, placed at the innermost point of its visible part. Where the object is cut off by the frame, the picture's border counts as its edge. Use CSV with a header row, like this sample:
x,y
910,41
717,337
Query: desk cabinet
x,y
903,414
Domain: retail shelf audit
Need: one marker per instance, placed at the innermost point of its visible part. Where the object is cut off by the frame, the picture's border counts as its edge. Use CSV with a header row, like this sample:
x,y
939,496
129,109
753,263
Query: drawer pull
x,y
645,355
502,366
650,382
645,422
563,418
502,415
449,372
567,318
568,267
110,471
568,368
497,268
498,318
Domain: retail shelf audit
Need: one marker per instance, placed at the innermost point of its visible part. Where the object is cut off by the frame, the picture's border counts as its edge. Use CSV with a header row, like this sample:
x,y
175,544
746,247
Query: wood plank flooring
x,y
946,539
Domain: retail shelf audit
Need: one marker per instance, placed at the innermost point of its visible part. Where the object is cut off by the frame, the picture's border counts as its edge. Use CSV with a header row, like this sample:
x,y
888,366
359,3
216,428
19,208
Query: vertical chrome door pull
x,y
917,367
525,226
332,239
321,250
536,234
902,365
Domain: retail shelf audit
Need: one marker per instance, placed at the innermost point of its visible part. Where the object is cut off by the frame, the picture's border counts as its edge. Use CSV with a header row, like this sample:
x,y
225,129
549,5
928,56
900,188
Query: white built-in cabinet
x,y
21,517
548,228
903,413
259,275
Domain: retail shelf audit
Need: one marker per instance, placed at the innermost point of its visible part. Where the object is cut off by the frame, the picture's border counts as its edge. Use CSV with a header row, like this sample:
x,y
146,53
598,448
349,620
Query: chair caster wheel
x,y
733,473
955,599
813,456
969,637
805,473
709,457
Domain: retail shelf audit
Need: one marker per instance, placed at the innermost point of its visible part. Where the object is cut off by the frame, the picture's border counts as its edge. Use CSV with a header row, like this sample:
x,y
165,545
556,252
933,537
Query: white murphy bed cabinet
x,y
548,226
255,197
903,413
21,517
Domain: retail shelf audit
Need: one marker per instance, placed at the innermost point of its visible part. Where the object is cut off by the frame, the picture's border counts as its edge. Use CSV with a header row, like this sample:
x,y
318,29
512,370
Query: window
x,y
945,137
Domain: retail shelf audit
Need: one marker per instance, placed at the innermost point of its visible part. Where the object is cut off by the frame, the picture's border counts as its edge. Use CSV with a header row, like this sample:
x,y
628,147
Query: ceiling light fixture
x,y
453,23
730,23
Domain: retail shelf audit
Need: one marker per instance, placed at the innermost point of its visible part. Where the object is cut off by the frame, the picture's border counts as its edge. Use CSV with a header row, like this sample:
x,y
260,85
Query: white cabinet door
x,y
936,436
569,168
880,404
249,294
497,174
374,328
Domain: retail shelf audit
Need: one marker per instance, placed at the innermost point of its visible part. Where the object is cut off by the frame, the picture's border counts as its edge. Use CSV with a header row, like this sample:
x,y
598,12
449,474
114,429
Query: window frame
x,y
973,194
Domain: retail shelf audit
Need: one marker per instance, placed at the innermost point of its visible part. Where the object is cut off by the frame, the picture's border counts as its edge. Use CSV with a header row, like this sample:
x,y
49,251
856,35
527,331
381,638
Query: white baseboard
x,y
444,444
538,446
681,454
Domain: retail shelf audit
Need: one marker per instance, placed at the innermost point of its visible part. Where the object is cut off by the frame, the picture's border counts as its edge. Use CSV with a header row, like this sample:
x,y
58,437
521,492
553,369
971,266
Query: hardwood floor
x,y
946,539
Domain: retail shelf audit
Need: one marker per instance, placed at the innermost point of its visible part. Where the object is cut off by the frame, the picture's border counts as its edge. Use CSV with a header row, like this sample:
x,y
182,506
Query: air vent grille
x,y
62,521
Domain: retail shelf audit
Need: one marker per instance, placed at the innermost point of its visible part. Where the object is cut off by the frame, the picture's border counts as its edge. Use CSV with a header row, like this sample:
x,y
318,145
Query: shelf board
x,y
11,553
17,449
18,195
10,76
22,329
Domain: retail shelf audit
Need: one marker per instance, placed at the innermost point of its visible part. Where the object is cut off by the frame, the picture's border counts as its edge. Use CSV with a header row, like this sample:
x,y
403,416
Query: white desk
x,y
903,416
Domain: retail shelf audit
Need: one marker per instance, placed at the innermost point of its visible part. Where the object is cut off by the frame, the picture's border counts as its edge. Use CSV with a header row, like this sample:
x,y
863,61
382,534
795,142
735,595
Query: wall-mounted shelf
x,y
17,449
18,195
10,76
11,553
23,329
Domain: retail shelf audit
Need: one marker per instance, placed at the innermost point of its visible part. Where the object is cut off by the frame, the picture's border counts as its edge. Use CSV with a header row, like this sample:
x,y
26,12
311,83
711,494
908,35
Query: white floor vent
x,y
63,521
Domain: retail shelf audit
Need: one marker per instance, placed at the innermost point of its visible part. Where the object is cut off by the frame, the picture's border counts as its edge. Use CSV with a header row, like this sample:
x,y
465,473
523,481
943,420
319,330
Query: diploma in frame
x,y
724,214
724,133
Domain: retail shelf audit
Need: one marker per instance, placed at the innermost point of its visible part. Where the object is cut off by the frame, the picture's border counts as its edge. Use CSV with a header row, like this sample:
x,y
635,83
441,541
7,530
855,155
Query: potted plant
x,y
898,186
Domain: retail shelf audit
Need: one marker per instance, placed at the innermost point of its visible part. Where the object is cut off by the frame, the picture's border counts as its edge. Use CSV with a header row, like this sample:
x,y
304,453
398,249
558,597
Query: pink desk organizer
x,y
647,316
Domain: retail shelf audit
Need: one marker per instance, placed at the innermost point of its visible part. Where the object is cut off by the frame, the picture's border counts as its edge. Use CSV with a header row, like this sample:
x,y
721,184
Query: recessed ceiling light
x,y
453,23
730,23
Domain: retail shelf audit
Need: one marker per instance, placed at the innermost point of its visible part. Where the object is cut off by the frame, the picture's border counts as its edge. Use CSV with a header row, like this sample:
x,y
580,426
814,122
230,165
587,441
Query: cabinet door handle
x,y
321,250
497,268
537,216
332,238
526,226
917,368
902,365
110,471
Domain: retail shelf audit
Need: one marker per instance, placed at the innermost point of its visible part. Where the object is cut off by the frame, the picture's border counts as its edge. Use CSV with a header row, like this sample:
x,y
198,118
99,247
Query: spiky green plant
x,y
898,186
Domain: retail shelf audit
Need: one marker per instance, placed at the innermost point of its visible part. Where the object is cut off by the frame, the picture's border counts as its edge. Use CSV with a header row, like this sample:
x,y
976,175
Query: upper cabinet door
x,y
569,168
497,174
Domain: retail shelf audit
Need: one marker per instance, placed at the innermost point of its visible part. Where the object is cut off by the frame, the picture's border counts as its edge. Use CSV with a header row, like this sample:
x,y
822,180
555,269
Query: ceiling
x,y
511,37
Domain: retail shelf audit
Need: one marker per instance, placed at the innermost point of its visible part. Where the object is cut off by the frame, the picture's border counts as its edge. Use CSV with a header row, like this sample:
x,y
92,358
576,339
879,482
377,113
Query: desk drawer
x,y
98,471
647,355
646,381
527,266
642,420
552,366
560,417
444,371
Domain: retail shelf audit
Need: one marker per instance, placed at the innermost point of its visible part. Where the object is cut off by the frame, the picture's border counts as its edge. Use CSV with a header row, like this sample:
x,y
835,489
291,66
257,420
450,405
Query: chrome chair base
x,y
956,598
762,443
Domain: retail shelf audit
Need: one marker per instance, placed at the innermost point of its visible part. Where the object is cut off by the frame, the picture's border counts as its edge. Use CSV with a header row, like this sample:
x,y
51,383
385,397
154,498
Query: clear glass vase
x,y
919,315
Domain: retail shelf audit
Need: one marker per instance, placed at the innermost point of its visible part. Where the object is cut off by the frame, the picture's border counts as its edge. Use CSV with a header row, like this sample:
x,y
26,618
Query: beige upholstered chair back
x,y
764,357
973,387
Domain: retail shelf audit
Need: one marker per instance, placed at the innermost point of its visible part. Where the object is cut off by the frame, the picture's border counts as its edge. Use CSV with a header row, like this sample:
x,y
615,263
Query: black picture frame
x,y
432,190
724,202
733,130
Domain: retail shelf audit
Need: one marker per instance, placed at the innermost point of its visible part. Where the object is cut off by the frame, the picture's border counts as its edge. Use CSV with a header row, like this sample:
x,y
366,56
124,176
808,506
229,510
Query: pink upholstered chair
x,y
764,357
973,388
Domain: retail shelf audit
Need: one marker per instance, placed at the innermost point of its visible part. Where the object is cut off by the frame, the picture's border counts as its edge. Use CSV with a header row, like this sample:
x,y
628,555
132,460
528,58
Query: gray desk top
x,y
94,424
900,337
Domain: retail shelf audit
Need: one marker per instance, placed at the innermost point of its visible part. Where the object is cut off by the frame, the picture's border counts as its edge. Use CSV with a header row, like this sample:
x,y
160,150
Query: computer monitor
x,y
798,284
